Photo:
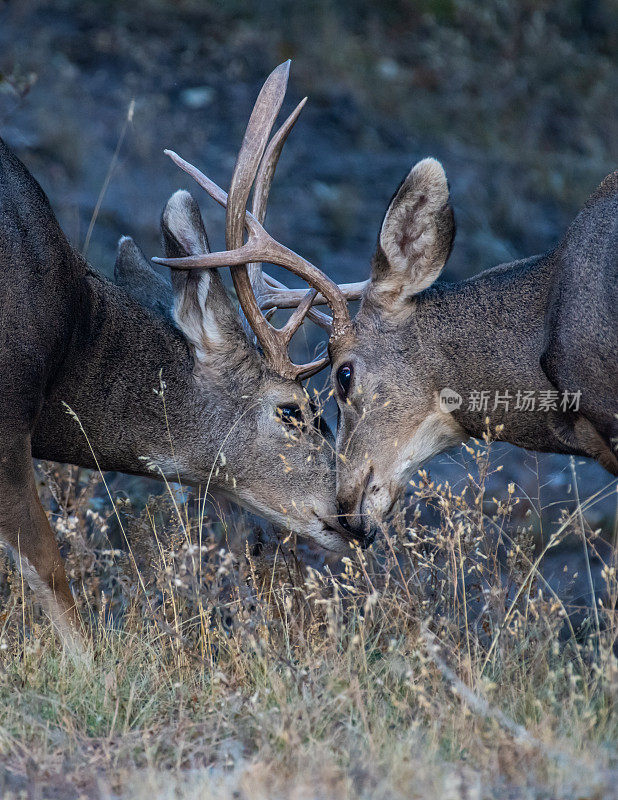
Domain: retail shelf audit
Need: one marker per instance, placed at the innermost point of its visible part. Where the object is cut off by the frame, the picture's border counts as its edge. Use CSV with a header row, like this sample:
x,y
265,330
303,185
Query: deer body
x,y
498,344
149,377
546,324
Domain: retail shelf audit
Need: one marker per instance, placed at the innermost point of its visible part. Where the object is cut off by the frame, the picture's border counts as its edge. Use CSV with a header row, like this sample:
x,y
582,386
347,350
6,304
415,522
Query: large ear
x,y
415,239
135,275
202,309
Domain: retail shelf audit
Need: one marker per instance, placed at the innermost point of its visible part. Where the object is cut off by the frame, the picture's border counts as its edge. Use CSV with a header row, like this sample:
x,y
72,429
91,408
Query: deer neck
x,y
483,339
125,392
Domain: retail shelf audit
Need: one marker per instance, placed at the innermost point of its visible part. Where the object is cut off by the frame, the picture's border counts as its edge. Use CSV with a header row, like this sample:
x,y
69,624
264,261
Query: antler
x,y
265,292
260,246
277,294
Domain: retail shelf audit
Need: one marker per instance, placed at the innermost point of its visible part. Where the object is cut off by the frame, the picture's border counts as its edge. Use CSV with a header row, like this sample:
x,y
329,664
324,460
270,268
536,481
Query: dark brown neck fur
x,y
112,331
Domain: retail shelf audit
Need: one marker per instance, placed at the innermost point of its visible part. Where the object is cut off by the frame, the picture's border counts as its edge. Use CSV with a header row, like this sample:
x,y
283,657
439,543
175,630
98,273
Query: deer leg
x,y
590,440
24,527
580,435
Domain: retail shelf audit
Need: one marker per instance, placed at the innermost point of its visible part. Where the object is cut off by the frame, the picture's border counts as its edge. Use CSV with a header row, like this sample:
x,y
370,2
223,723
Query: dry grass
x,y
439,664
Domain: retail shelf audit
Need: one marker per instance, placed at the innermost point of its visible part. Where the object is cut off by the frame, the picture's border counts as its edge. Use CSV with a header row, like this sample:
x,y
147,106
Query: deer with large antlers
x,y
149,378
544,328
533,345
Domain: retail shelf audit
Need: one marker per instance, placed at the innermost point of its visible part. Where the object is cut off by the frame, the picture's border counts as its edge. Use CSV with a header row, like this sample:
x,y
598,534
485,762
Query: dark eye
x,y
291,416
344,379
319,423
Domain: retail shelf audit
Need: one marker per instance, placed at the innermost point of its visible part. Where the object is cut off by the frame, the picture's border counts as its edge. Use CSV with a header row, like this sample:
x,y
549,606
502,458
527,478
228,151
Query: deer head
x,y
522,325
390,420
279,452
273,453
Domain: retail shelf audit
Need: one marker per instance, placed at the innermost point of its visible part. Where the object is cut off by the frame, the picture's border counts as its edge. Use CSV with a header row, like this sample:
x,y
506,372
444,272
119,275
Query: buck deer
x,y
81,356
546,324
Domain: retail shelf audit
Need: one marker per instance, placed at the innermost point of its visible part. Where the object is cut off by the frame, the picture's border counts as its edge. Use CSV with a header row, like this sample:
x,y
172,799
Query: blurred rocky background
x,y
517,98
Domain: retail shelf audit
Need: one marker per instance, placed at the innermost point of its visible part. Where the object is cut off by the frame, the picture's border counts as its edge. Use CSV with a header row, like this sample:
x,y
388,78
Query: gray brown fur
x,y
544,323
69,337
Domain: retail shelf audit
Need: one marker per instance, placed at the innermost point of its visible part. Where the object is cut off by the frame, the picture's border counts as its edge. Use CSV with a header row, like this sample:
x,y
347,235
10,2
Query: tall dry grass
x,y
438,664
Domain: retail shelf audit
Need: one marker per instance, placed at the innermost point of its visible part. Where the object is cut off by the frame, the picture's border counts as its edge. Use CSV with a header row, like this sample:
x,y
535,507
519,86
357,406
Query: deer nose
x,y
343,517
364,536
348,519
356,525
350,507
376,503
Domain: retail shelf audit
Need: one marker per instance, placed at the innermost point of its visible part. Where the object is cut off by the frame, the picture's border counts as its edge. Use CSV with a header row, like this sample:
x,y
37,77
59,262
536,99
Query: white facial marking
x,y
436,433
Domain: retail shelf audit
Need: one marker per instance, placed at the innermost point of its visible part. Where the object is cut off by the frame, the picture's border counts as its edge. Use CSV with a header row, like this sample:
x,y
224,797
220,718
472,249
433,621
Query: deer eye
x,y
344,379
291,416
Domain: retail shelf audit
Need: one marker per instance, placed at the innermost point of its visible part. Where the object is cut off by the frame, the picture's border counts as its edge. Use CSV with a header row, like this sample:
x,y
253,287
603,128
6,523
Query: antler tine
x,y
265,175
216,192
296,319
309,370
248,161
266,294
269,162
279,296
257,163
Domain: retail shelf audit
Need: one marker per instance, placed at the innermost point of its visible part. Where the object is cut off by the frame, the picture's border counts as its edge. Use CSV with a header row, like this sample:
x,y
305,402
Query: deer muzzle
x,y
362,509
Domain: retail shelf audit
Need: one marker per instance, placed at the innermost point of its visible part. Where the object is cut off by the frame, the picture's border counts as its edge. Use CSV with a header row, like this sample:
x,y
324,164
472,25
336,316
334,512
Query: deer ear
x,y
415,239
202,309
134,274
182,227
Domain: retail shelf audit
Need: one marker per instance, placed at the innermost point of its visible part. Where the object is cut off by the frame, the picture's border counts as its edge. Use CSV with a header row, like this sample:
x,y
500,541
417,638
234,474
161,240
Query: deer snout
x,y
364,507
360,532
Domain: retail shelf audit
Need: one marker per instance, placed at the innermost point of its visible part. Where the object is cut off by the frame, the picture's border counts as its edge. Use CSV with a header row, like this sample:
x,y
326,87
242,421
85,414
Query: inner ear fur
x,y
202,309
415,239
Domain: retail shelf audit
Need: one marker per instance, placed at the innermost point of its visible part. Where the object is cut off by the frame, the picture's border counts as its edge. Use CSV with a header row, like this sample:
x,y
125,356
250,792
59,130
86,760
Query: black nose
x,y
342,518
364,537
